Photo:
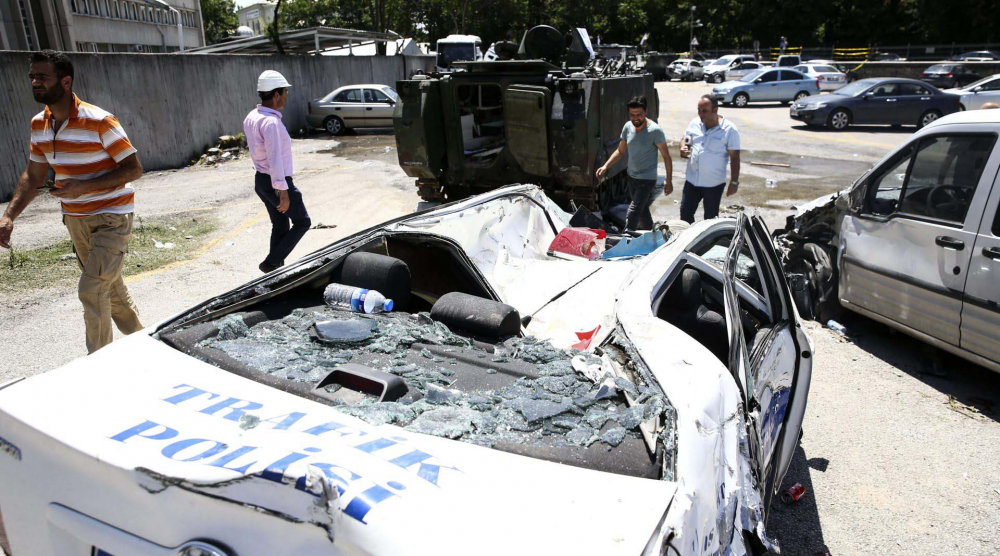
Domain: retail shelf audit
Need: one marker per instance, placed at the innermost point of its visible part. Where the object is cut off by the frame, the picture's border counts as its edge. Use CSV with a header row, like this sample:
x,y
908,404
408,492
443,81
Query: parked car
x,y
884,100
264,421
351,107
769,85
947,76
740,70
974,95
915,242
848,69
716,71
830,78
886,57
978,56
685,69
789,60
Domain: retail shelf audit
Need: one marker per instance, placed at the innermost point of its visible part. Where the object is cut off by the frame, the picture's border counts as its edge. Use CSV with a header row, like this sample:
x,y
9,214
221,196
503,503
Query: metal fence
x,y
912,52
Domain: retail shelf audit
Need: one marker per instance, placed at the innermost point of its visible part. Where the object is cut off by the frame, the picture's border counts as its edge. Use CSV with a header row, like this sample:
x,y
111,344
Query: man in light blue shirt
x,y
643,138
709,143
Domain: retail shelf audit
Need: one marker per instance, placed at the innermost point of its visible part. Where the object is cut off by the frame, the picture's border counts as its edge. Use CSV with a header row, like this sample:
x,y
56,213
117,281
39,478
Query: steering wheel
x,y
948,202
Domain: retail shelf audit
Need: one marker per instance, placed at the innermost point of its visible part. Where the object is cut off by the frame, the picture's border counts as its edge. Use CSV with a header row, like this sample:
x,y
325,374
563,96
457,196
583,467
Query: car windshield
x,y
827,69
392,93
975,84
938,68
455,52
748,78
854,89
722,62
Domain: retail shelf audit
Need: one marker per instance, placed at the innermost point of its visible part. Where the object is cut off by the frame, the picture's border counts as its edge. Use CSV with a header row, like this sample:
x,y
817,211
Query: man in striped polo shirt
x,y
93,163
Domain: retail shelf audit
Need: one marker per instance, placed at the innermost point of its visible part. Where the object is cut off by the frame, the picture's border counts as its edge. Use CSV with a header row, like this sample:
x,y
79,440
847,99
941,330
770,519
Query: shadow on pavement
x,y
796,526
973,391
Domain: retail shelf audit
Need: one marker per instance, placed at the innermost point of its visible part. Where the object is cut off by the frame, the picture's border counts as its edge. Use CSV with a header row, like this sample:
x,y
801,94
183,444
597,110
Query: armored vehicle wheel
x,y
429,190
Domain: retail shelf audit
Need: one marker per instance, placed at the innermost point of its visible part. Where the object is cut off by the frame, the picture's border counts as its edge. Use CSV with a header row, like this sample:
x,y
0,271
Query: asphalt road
x,y
895,459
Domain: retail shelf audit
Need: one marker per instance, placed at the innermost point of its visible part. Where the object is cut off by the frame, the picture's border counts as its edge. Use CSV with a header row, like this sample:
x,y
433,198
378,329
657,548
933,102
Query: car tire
x,y
839,120
718,78
334,125
928,118
801,95
741,100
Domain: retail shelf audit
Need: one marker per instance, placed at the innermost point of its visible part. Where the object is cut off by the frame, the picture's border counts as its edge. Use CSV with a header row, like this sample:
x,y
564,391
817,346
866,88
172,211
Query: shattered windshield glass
x,y
521,395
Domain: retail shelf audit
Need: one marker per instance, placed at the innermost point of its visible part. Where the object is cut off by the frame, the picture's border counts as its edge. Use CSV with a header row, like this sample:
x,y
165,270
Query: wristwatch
x,y
734,182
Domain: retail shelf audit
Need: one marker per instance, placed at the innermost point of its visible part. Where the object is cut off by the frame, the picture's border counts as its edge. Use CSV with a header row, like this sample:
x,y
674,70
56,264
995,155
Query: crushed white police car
x,y
516,400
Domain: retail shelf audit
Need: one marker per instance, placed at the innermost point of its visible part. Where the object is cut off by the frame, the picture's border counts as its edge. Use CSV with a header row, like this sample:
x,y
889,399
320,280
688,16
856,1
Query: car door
x,y
378,108
877,105
904,255
986,92
766,86
912,100
981,303
348,106
791,82
774,369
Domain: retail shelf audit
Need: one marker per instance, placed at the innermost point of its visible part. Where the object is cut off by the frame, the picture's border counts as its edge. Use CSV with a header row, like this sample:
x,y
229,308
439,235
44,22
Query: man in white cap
x,y
271,152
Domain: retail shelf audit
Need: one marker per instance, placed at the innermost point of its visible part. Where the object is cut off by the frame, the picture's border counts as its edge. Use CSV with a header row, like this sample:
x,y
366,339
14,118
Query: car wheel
x,y
741,99
928,118
334,125
801,95
718,78
839,120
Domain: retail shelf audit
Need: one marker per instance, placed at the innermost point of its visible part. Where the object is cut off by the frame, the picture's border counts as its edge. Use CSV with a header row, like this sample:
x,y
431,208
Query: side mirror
x,y
868,95
977,89
759,80
391,102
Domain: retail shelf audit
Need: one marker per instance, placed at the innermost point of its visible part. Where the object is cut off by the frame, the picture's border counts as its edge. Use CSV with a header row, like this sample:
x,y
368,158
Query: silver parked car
x,y
352,107
975,95
781,85
742,69
685,70
830,78
915,242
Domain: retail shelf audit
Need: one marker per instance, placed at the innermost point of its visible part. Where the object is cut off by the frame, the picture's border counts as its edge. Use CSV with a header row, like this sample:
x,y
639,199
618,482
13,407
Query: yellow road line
x,y
201,251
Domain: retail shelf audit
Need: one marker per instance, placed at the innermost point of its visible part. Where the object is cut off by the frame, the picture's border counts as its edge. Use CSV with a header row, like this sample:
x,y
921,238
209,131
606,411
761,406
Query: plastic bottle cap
x,y
387,306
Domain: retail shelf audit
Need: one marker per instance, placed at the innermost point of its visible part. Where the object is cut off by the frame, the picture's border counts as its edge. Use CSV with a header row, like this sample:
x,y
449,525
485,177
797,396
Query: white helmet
x,y
271,80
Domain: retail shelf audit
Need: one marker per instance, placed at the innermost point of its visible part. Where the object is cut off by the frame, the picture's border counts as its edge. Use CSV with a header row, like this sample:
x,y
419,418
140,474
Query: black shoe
x,y
267,267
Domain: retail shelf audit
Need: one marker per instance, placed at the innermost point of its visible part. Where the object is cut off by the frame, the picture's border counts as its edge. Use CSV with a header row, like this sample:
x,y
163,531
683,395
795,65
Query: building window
x,y
107,9
134,16
72,6
118,10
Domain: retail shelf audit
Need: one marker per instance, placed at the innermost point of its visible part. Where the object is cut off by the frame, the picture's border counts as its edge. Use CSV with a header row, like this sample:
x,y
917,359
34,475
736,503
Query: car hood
x,y
959,92
816,99
167,422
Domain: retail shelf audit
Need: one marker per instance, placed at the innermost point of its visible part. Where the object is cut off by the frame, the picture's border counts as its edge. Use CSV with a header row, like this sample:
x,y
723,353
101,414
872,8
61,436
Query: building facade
x,y
256,16
99,25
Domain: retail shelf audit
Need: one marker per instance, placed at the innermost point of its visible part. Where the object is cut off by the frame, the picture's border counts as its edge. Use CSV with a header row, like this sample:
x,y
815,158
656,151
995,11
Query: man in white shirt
x,y
709,143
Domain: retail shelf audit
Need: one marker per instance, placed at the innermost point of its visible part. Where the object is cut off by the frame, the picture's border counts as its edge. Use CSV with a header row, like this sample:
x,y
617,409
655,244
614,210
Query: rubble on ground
x,y
229,147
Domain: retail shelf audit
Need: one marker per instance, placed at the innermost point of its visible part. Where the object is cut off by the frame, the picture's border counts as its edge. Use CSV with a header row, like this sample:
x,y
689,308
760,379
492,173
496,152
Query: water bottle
x,y
837,327
355,299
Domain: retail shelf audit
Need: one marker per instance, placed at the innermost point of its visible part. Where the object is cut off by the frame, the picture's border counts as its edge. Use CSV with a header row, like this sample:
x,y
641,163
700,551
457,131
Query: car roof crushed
x,y
523,391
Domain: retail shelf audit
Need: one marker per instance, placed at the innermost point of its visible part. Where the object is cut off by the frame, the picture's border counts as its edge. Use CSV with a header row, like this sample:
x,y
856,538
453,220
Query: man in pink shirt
x,y
271,152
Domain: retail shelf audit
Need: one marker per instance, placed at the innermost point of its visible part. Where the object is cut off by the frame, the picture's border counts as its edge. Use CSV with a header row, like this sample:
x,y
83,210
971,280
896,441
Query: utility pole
x,y
691,26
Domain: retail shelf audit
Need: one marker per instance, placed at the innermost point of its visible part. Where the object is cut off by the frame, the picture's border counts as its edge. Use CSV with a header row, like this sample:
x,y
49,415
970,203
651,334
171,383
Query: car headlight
x,y
722,91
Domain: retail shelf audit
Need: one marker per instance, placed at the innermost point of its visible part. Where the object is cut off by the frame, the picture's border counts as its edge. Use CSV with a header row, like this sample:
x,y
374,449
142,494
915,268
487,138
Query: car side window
x,y
695,64
885,90
887,185
374,95
996,223
769,77
912,89
992,85
944,176
350,95
788,75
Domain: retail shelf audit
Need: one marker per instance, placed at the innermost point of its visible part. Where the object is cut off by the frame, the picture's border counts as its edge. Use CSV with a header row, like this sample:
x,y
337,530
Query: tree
x,y
274,30
219,19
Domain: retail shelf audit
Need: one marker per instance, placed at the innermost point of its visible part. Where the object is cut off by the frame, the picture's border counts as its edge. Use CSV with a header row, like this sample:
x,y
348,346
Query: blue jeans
x,y
283,237
693,195
642,193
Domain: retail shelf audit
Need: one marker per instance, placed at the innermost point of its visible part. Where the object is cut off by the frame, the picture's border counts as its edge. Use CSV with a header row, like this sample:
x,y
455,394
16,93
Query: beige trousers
x,y
100,242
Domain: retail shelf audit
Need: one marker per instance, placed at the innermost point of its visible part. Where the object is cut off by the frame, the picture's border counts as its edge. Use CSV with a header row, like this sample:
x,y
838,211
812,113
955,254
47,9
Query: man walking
x,y
643,138
709,143
93,162
271,151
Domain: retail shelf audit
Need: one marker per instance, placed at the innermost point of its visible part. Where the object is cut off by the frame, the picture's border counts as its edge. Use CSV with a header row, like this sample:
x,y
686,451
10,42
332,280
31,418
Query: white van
x,y
458,48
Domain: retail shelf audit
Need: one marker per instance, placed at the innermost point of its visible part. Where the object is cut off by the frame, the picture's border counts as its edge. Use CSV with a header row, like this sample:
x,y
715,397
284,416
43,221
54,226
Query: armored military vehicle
x,y
542,113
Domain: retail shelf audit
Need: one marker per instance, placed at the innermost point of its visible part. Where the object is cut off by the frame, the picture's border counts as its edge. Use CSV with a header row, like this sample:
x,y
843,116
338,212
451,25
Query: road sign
x,y
694,41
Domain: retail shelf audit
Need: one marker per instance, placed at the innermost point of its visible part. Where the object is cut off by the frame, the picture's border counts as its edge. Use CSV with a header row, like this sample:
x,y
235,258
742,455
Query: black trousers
x,y
284,237
638,215
693,195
